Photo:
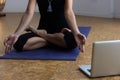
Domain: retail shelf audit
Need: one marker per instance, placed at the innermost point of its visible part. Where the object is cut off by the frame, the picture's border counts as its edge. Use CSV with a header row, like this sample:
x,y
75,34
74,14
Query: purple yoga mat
x,y
47,53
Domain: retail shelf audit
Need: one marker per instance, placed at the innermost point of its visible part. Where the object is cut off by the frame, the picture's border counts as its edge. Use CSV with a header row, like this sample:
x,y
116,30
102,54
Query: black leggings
x,y
68,37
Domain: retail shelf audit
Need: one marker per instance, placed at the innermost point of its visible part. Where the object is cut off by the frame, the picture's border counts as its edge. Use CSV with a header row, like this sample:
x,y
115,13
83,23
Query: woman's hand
x,y
80,39
9,42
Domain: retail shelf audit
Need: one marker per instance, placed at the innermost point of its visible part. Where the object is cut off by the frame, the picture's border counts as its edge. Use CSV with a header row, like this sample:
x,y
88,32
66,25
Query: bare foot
x,y
29,28
40,32
65,30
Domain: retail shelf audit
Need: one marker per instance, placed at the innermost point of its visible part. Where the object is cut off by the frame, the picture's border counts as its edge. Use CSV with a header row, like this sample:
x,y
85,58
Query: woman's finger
x,y
82,48
8,49
5,41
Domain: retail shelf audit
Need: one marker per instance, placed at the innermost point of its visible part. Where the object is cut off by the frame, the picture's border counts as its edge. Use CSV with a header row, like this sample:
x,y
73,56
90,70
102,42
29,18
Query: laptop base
x,y
86,69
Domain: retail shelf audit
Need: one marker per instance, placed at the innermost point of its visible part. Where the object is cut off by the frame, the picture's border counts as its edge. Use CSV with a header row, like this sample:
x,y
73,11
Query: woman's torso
x,y
52,21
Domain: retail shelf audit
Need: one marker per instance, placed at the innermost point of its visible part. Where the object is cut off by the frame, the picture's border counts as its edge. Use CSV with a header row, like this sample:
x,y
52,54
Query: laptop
x,y
105,59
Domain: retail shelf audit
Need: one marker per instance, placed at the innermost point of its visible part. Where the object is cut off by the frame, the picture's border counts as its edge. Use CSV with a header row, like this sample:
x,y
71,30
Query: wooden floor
x,y
102,29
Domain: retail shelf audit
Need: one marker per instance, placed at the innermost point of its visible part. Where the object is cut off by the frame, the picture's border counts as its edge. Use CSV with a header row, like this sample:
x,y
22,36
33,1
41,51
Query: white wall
x,y
16,6
117,8
100,8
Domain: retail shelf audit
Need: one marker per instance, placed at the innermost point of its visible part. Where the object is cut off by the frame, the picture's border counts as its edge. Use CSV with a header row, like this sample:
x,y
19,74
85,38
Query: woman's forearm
x,y
26,18
70,17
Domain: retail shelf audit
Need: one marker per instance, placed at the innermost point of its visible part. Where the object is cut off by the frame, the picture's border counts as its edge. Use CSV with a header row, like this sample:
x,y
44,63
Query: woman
x,y
57,27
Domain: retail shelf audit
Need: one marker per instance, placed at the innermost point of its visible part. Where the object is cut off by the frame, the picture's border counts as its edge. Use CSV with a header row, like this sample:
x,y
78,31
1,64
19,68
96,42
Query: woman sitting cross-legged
x,y
57,26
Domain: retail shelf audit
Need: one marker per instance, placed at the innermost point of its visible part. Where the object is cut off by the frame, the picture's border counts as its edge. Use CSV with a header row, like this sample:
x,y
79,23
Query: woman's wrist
x,y
76,33
16,34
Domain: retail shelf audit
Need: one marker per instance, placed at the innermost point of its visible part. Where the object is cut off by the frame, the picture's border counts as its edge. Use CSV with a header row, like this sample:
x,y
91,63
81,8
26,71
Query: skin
x,y
57,38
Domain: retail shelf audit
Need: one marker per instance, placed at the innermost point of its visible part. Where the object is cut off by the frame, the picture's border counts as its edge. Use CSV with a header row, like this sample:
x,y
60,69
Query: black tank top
x,y
52,21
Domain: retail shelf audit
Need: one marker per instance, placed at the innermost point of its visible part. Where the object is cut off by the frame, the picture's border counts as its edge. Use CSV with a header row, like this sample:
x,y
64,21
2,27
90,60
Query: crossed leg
x,y
44,39
34,43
